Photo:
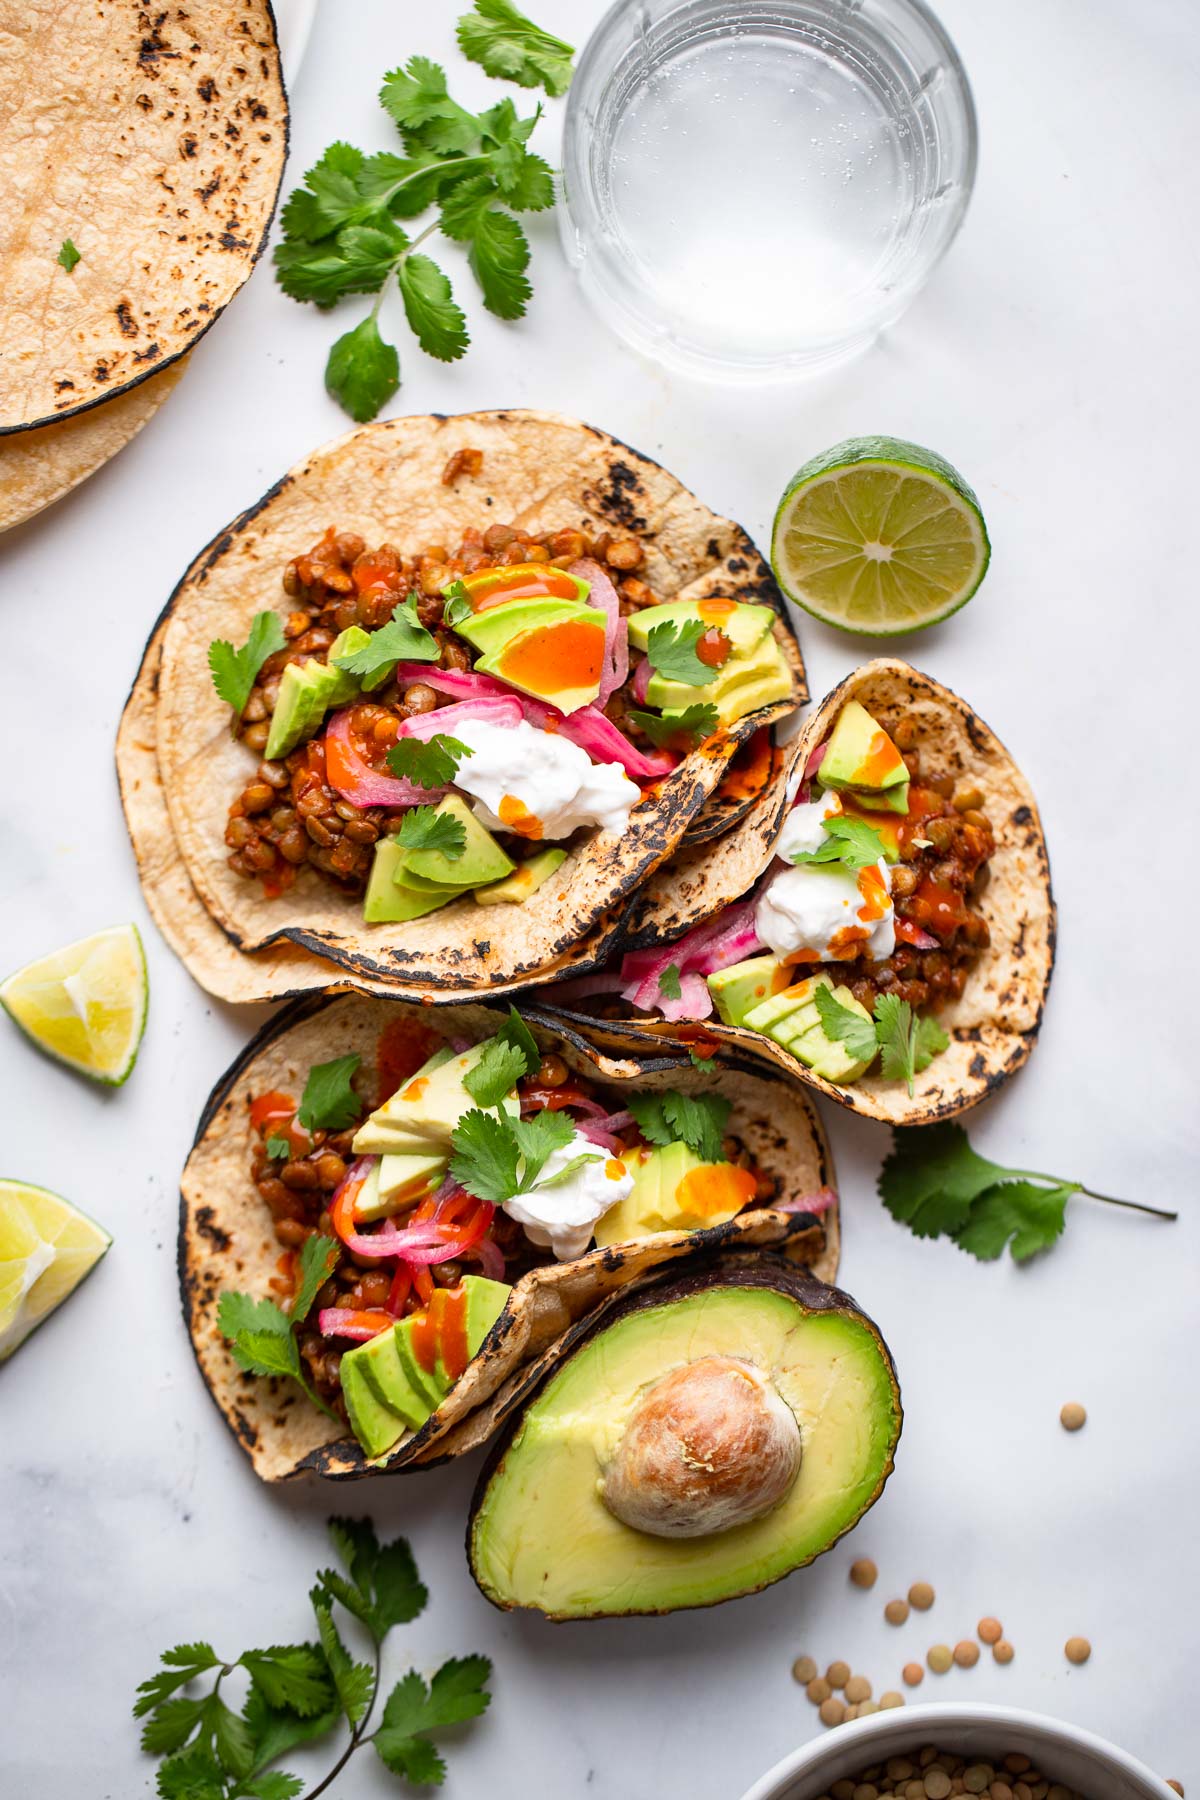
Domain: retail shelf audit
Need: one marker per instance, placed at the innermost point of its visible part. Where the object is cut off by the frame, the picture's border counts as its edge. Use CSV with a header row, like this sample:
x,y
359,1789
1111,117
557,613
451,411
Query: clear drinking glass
x,y
754,188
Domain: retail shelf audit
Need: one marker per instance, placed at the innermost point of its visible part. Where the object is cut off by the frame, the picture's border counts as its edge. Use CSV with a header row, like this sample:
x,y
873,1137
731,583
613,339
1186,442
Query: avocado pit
x,y
709,1446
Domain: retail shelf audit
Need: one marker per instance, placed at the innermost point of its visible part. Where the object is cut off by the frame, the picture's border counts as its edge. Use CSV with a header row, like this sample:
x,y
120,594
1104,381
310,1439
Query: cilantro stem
x,y
356,1735
1156,1212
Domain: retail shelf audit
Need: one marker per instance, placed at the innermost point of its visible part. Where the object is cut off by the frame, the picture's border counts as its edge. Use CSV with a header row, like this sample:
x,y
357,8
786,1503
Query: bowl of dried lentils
x,y
944,1752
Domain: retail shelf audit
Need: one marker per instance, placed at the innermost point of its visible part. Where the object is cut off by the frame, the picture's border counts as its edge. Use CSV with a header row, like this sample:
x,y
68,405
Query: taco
x,y
461,743
896,939
520,1179
141,154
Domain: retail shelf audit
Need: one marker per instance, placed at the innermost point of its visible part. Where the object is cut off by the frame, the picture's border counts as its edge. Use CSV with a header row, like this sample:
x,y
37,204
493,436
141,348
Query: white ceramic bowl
x,y
1097,1770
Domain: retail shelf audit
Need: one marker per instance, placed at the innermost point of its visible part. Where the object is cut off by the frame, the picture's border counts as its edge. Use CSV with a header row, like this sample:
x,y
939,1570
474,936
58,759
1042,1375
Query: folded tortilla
x,y
226,1239
384,481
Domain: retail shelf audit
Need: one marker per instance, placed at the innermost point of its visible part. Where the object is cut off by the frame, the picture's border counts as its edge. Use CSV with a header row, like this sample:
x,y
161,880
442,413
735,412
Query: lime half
x,y
86,1004
47,1246
880,537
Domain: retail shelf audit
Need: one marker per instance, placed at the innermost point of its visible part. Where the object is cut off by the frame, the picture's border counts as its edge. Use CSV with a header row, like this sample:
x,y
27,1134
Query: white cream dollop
x,y
552,781
804,827
563,1217
830,912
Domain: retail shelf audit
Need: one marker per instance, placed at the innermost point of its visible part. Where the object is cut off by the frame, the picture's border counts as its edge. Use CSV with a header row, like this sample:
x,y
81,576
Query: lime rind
x,y
867,495
51,1001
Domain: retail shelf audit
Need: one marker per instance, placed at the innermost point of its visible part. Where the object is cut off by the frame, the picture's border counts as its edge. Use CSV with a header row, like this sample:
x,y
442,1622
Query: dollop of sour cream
x,y
563,1217
538,784
804,827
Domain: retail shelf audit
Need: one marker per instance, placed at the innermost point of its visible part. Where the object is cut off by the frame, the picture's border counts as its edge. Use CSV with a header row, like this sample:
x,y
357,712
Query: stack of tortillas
x,y
141,152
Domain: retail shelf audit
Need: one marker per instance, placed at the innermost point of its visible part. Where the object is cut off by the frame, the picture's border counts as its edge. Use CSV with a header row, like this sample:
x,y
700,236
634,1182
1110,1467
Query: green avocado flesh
x,y
306,692
421,1115
388,1389
790,1018
541,1536
524,881
482,859
491,629
741,686
736,989
860,754
407,884
745,625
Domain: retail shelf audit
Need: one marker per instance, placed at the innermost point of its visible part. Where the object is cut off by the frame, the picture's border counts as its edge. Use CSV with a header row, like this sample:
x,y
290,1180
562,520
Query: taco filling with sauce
x,y
440,725
403,1230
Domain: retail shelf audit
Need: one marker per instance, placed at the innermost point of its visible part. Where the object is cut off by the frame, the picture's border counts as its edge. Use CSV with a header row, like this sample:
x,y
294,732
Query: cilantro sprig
x,y
68,256
262,1336
938,1186
671,650
697,1120
690,726
425,828
851,842
427,762
402,639
329,1102
670,982
234,672
472,172
906,1042
495,1157
302,1692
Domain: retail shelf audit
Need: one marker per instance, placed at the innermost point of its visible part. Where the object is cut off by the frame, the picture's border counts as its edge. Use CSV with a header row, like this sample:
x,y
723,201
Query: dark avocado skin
x,y
749,1269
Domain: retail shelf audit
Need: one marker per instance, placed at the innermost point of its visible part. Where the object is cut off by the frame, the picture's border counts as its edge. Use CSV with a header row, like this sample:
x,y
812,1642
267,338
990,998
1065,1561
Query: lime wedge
x,y
880,537
86,1004
47,1246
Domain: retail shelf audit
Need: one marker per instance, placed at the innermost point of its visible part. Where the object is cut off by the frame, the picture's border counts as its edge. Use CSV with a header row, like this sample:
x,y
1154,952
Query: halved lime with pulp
x,y
47,1246
880,537
85,1004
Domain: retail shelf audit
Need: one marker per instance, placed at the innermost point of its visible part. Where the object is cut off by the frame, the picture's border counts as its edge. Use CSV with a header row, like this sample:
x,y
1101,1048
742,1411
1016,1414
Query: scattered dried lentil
x,y
838,1674
818,1690
940,1658
863,1573
913,1674
896,1611
966,1654
990,1631
1003,1651
921,1595
858,1688
1177,1785
833,1711
803,1670
1077,1650
1073,1416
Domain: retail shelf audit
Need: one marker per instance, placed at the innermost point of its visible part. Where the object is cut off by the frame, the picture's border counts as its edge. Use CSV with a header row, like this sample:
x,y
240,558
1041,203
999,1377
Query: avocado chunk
x,y
435,1347
380,1361
674,1190
559,662
594,1503
860,754
524,881
424,1111
745,625
306,692
426,1382
791,1020
740,686
481,860
375,1425
397,1180
388,901
743,985
491,629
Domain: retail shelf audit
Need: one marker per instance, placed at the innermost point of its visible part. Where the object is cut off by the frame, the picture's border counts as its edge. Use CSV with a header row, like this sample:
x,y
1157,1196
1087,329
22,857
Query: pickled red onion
x,y
603,595
354,778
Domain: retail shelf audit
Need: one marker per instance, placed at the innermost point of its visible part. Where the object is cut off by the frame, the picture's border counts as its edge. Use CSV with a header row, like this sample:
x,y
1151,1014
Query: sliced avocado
x,y
380,1360
306,692
345,644
375,1425
428,1383
525,880
879,816
674,1190
490,629
559,662
743,985
399,1178
387,901
810,1378
482,860
860,754
740,687
892,800
745,625
424,1111
791,1019
481,1304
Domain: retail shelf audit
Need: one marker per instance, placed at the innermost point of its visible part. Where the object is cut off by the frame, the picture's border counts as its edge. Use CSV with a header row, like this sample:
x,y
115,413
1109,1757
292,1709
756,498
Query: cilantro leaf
x,y
261,1340
841,1024
354,1681
292,1677
383,1588
851,842
669,983
537,1138
276,1731
402,639
697,1120
195,1775
68,255
497,248
234,671
485,1157
671,650
906,1045
937,1185
279,1148
438,324
275,1784
509,46
363,372
516,1032
231,1736
425,828
318,1259
171,1725
428,763
183,1664
331,196
457,1692
457,605
496,1073
691,726
706,1064
565,1173
330,1102
416,97
358,260
933,1159
1017,1215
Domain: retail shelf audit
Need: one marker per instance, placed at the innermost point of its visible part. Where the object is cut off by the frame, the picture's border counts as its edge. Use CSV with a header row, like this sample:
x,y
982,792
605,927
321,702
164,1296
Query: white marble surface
x,y
1054,359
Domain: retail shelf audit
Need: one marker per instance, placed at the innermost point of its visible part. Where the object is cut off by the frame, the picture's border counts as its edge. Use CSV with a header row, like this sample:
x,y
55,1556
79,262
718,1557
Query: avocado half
x,y
707,1437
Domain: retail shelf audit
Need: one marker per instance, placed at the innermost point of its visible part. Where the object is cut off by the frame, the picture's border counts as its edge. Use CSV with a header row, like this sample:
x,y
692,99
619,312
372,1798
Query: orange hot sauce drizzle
x,y
401,1051
550,658
515,816
440,1332
519,581
714,609
271,1106
714,1188
750,769
881,761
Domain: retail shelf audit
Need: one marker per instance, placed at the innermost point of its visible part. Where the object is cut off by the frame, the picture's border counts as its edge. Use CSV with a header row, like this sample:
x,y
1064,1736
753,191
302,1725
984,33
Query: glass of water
x,y
755,188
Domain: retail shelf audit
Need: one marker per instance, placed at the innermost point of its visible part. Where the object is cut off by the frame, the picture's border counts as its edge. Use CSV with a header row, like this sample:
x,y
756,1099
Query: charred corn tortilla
x,y
226,1238
39,467
384,481
153,139
994,1026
